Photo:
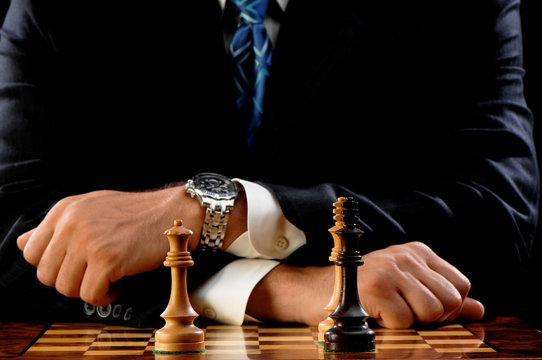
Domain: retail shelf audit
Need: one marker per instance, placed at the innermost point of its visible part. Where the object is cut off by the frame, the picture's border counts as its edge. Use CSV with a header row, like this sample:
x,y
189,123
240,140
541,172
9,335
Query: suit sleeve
x,y
41,163
25,187
479,208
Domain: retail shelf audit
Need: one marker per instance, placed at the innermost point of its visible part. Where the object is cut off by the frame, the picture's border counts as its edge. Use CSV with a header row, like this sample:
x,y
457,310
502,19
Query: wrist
x,y
231,221
237,224
192,214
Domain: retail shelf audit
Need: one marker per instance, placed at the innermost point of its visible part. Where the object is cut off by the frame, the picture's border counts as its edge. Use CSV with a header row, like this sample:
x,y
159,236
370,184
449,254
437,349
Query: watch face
x,y
215,185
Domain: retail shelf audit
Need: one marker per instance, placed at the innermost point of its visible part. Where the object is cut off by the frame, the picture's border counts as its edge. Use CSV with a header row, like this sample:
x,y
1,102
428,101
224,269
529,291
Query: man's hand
x,y
409,283
89,241
398,286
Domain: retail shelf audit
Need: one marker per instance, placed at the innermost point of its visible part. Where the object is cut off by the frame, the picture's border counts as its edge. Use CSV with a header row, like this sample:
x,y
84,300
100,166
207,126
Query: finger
x,y
391,312
36,241
423,302
448,284
95,287
451,273
22,240
54,255
36,244
70,276
444,291
456,295
459,281
381,298
472,310
430,295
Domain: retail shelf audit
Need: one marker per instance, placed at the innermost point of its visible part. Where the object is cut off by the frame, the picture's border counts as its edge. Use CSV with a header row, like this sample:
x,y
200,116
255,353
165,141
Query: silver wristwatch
x,y
217,194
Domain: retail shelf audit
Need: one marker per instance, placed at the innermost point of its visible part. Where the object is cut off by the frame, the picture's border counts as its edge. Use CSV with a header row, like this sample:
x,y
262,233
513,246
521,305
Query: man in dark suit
x,y
413,108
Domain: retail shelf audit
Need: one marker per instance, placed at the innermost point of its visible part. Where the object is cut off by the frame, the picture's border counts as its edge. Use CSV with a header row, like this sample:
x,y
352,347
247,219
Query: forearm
x,y
292,294
397,286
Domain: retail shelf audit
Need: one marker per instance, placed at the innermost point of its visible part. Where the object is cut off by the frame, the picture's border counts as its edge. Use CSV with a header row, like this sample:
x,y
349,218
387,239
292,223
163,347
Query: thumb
x,y
472,310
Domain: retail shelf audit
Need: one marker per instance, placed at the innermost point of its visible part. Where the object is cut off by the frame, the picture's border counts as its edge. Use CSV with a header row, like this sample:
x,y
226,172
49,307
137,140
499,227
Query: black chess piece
x,y
350,332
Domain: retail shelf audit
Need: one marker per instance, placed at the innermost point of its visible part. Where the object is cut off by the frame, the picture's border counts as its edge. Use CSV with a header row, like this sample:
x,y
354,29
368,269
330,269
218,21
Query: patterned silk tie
x,y
251,52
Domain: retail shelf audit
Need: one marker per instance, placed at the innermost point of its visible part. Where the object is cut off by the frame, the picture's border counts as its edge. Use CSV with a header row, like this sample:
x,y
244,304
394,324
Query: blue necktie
x,y
251,52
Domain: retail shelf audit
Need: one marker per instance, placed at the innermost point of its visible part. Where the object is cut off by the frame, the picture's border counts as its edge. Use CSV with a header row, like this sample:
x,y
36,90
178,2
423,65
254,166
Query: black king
x,y
350,332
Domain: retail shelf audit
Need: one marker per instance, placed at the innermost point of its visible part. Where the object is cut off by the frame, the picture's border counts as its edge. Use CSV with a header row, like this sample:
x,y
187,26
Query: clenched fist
x,y
88,242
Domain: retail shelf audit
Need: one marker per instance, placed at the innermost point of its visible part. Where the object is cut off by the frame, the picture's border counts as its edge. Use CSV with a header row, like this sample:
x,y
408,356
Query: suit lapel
x,y
313,37
317,37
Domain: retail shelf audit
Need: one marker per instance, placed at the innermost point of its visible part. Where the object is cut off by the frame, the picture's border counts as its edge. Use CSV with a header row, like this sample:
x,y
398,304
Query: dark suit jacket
x,y
415,108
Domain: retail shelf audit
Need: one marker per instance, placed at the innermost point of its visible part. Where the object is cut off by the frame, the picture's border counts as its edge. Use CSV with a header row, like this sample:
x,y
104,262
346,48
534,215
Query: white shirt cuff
x,y
224,296
270,235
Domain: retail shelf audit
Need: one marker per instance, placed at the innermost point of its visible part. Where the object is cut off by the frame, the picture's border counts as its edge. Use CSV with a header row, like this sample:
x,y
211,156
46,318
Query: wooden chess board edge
x,y
96,339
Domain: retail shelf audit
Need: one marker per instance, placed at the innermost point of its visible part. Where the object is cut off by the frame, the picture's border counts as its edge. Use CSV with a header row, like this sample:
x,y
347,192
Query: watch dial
x,y
216,184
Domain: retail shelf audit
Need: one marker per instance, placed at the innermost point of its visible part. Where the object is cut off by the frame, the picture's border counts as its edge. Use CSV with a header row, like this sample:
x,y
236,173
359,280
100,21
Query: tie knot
x,y
252,11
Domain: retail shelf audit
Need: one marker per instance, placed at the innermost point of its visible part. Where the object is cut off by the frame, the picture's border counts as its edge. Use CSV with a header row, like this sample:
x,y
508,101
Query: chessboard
x,y
251,342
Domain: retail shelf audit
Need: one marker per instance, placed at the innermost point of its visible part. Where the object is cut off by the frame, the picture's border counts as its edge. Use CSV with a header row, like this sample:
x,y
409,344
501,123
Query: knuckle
x,y
89,296
92,296
375,283
67,289
464,288
404,257
454,302
407,253
64,203
419,247
73,213
60,204
45,278
30,256
431,312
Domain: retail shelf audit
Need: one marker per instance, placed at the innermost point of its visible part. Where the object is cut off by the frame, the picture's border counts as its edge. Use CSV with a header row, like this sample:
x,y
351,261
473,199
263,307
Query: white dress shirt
x,y
270,237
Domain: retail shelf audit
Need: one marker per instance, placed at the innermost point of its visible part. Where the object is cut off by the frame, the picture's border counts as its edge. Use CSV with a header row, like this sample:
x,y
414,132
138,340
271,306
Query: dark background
x,y
532,30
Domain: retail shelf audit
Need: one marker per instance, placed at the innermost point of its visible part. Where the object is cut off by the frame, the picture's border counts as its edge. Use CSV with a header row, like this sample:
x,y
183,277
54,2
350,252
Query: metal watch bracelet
x,y
214,225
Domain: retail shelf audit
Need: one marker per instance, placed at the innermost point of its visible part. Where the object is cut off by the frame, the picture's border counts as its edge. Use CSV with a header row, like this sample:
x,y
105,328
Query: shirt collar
x,y
281,3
